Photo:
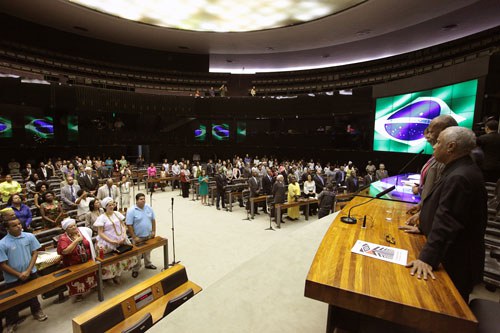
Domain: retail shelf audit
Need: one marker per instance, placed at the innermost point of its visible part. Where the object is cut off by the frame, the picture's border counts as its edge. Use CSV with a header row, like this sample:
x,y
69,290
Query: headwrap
x,y
67,222
106,201
88,168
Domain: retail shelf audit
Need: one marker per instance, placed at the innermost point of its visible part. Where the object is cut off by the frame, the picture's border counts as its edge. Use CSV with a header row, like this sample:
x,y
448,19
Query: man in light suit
x,y
69,194
108,190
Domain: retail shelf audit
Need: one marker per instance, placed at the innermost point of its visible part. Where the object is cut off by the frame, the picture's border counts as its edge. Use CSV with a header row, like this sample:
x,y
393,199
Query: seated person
x,y
18,253
51,211
76,247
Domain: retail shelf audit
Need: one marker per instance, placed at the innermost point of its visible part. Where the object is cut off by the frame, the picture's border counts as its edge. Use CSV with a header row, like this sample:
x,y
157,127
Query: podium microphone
x,y
352,220
410,162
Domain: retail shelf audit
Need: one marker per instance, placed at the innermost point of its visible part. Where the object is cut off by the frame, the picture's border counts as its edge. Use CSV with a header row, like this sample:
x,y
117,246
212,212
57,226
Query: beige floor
x,y
252,279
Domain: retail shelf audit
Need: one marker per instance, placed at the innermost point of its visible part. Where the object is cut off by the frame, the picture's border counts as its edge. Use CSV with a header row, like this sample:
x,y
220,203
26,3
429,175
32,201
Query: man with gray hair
x,y
453,215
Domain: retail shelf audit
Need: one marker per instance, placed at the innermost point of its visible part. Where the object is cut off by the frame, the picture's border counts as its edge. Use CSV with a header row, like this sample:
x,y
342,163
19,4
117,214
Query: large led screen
x,y
5,128
72,128
220,132
200,133
400,120
40,128
241,131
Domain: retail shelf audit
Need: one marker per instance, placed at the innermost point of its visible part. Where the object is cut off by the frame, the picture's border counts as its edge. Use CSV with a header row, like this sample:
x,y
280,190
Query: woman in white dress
x,y
111,233
124,193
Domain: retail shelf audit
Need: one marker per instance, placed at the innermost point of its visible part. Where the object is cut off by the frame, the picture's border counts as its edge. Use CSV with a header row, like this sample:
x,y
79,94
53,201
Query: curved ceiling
x,y
371,30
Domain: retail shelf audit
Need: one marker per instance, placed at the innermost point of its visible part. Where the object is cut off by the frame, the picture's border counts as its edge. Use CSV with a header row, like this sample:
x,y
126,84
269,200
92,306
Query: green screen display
x,y
241,131
220,132
40,128
200,133
5,128
400,120
72,128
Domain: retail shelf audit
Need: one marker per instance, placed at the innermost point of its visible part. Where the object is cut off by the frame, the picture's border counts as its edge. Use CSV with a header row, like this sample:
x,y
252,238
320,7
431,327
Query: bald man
x,y
453,215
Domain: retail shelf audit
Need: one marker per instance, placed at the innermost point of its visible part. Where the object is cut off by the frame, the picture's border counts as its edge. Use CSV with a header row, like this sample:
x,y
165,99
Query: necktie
x,y
72,193
109,190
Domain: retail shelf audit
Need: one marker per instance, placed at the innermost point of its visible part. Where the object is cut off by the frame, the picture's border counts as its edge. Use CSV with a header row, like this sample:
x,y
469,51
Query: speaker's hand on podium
x,y
411,229
413,220
421,268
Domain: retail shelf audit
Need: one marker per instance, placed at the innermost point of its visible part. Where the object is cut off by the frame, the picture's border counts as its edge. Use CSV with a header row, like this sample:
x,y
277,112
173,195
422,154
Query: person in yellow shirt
x,y
293,194
9,187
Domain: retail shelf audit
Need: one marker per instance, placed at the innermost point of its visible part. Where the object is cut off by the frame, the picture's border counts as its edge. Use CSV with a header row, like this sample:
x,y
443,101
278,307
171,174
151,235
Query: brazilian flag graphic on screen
x,y
400,120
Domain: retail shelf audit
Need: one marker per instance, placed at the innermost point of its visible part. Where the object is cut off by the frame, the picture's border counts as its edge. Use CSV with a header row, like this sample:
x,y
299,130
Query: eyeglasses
x,y
390,239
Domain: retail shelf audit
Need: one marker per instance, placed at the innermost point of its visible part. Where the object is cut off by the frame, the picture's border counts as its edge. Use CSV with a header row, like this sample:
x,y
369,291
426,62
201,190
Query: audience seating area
x,y
58,68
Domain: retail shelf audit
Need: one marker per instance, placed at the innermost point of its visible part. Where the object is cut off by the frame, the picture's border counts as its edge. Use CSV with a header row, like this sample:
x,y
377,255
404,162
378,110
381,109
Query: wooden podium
x,y
368,287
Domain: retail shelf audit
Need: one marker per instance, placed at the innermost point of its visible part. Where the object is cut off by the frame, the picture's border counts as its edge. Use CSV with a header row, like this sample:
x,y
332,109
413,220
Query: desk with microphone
x,y
352,220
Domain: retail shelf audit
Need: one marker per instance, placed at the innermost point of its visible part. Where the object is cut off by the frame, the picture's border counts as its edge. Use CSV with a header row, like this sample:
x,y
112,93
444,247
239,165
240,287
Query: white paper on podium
x,y
377,251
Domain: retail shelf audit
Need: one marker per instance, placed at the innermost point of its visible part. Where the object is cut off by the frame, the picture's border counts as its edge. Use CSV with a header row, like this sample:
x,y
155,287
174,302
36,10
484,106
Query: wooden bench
x,y
150,244
43,284
160,180
128,308
299,203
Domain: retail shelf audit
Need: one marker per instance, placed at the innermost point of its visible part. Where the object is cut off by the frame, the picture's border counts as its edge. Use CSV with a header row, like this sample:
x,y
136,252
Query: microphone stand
x,y
173,236
410,162
269,209
151,198
352,220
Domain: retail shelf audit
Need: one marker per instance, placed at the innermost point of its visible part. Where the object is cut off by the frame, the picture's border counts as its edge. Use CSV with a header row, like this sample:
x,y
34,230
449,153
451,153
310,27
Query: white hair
x,y
464,139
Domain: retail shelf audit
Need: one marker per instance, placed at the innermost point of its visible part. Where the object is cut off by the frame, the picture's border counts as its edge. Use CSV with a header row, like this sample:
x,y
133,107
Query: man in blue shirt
x,y
141,225
18,253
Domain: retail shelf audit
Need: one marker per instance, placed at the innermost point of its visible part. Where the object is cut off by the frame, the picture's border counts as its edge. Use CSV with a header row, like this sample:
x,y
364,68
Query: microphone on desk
x,y
172,201
352,220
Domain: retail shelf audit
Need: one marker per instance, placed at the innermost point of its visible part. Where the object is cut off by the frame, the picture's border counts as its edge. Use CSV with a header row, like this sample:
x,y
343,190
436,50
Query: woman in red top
x,y
75,247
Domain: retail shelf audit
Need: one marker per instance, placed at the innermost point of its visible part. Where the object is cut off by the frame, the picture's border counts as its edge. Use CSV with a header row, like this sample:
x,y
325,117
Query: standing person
x,y
326,199
83,203
141,224
176,172
223,90
151,175
381,173
278,193
124,187
88,182
453,215
490,144
9,187
293,195
69,194
184,182
38,197
111,233
23,212
309,189
75,245
95,211
253,186
221,183
51,211
108,190
203,190
253,91
18,253
109,166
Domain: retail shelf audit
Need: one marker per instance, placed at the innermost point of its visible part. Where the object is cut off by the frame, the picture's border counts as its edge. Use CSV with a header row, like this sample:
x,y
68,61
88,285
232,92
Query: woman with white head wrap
x,y
111,233
76,247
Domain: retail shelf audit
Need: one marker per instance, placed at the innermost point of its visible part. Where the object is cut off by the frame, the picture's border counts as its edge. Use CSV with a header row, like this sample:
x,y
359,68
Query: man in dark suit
x,y
43,172
352,182
490,144
220,183
453,215
267,185
319,181
253,186
369,178
88,182
278,193
26,173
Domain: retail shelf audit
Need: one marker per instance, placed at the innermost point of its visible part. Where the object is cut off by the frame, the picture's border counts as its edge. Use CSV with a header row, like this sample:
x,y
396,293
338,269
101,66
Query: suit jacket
x,y
41,176
432,177
320,183
253,185
379,174
369,179
453,217
220,182
66,197
87,184
278,192
103,192
26,174
490,144
352,184
267,184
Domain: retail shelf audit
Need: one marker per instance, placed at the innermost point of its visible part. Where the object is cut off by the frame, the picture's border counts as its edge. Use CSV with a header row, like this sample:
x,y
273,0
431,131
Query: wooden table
x,y
125,307
43,284
301,202
111,258
160,180
379,289
253,201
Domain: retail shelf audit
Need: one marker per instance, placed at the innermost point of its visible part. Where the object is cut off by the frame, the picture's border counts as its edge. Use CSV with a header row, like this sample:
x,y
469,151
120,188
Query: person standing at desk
x,y
141,224
18,253
293,195
453,215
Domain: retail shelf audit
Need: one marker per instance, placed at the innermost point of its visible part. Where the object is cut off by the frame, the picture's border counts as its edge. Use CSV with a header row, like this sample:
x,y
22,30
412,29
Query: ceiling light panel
x,y
220,15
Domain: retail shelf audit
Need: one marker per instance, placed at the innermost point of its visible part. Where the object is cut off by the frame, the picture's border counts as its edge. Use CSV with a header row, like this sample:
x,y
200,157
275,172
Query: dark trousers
x,y
218,196
176,184
323,212
185,189
12,314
